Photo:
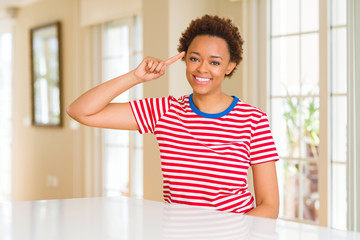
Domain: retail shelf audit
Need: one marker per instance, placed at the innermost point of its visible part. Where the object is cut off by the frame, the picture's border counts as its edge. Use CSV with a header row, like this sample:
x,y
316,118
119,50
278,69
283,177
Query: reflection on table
x,y
129,218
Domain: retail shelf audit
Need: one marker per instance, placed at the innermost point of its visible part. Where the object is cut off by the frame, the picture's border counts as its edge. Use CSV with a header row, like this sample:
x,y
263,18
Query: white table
x,y
129,218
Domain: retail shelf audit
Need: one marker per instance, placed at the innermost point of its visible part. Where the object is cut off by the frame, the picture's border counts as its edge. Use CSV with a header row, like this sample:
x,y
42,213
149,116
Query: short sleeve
x,y
148,111
262,145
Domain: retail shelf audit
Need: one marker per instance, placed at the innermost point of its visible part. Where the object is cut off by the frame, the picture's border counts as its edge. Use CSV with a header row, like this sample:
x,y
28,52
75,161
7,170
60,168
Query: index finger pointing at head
x,y
174,58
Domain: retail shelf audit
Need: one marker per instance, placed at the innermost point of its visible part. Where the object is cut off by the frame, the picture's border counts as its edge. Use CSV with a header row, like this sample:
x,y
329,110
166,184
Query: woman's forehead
x,y
211,45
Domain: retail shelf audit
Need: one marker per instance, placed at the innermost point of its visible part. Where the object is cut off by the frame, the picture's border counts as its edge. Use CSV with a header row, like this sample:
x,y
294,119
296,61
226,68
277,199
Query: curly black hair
x,y
216,26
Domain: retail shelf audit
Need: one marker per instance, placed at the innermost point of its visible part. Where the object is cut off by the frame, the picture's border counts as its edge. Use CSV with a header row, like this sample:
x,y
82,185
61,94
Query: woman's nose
x,y
202,68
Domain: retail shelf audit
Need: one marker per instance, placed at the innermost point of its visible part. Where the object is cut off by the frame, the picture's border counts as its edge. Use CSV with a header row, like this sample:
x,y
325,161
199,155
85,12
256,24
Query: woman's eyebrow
x,y
196,53
216,57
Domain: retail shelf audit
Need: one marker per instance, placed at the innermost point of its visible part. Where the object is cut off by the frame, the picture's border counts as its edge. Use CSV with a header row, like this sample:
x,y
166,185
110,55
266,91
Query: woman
x,y
207,139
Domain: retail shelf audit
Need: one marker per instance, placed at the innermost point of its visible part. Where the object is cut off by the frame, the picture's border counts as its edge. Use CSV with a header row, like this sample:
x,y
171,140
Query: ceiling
x,y
15,3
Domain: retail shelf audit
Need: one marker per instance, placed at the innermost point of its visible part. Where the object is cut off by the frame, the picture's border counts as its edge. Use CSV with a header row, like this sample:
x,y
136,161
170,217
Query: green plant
x,y
308,111
311,126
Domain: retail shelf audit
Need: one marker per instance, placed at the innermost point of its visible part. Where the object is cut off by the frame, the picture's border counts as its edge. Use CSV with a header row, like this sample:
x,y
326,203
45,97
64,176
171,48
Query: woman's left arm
x,y
266,190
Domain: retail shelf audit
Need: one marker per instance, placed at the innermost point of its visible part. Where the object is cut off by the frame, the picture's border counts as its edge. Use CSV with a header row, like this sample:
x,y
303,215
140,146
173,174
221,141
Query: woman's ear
x,y
230,68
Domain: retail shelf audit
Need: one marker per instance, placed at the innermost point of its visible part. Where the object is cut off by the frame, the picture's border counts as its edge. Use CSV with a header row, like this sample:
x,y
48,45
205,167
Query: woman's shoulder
x,y
249,108
170,99
179,99
184,99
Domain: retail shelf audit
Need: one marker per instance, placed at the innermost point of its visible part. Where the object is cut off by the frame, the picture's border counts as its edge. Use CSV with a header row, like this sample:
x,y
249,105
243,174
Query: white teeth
x,y
202,79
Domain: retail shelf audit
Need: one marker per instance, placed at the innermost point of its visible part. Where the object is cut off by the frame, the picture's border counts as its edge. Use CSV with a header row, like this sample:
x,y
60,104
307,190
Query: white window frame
x,y
135,161
353,37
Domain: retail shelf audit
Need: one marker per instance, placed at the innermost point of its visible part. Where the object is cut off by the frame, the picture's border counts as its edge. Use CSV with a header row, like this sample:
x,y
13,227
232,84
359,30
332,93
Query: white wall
x,y
95,11
40,152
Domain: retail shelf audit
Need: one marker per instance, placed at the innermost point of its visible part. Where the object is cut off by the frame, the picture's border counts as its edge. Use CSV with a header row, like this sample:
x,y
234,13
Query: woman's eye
x,y
215,63
194,59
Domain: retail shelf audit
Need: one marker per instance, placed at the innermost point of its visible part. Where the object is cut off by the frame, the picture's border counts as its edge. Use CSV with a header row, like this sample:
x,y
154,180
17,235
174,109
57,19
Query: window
x,y
122,150
296,57
6,114
295,105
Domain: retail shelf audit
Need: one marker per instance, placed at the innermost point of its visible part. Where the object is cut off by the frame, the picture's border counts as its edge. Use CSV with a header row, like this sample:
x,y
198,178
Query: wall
x,y
156,42
66,153
95,11
41,152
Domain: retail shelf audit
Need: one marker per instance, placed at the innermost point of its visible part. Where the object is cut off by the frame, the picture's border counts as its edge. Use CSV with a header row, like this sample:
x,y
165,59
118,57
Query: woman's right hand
x,y
94,107
151,68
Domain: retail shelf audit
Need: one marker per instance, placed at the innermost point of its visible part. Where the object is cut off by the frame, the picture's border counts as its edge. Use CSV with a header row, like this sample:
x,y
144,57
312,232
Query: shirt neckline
x,y
212,115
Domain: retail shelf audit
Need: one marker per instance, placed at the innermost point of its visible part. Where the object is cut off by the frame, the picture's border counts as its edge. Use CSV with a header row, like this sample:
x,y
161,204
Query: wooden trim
x,y
324,166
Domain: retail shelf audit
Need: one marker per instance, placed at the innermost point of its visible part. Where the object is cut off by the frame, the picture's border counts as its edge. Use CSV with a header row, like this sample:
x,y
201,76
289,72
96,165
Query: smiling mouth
x,y
201,80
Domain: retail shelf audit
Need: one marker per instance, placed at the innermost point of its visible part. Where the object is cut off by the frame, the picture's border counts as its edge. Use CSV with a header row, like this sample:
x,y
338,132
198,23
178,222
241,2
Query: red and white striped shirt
x,y
205,157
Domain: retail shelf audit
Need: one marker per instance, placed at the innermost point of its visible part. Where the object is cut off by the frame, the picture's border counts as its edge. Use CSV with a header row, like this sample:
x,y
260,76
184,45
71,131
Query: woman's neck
x,y
212,103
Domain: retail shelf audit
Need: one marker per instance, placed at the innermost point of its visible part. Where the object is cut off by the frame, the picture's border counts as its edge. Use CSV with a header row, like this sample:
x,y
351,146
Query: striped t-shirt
x,y
205,157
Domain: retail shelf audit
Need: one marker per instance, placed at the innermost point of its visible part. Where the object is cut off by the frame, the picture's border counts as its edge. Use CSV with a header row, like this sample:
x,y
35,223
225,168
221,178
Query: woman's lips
x,y
201,80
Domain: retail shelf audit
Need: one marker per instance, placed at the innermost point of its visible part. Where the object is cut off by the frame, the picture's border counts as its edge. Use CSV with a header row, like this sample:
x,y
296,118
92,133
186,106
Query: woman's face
x,y
207,61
